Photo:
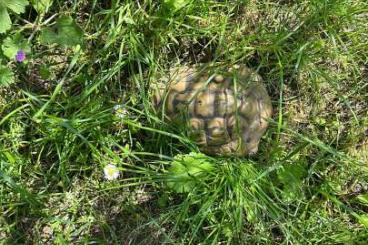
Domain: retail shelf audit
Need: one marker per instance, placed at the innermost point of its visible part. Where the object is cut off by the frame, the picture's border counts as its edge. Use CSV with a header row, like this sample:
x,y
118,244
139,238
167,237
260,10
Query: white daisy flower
x,y
111,172
120,111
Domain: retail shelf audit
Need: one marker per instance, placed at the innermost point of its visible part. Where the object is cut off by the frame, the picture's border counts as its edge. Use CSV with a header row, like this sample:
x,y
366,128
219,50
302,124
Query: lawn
x,y
84,158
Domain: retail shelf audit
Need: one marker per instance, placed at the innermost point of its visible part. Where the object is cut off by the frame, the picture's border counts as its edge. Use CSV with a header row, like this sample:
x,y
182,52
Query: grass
x,y
307,184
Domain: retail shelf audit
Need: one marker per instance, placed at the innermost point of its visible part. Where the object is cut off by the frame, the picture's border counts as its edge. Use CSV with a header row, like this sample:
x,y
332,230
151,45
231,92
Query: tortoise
x,y
226,110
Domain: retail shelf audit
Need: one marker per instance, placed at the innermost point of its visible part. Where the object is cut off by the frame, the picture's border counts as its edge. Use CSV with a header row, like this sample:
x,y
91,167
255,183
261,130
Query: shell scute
x,y
227,114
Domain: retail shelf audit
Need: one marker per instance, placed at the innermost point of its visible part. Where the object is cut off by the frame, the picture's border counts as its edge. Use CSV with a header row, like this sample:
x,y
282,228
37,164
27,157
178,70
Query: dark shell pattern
x,y
226,112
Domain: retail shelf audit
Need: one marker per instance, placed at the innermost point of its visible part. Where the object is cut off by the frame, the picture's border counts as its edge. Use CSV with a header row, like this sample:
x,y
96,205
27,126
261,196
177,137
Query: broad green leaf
x,y
6,76
48,36
41,6
5,22
175,5
66,33
363,219
291,176
187,171
9,48
70,33
17,6
363,198
11,45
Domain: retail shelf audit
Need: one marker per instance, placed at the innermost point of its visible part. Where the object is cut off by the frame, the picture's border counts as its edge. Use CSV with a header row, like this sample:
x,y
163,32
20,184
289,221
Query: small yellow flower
x,y
111,172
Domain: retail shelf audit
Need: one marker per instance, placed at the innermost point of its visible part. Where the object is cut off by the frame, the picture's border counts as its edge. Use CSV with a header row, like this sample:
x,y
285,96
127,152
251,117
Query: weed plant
x,y
80,100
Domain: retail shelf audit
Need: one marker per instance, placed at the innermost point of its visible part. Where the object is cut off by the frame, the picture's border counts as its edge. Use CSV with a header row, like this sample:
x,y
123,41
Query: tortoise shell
x,y
226,111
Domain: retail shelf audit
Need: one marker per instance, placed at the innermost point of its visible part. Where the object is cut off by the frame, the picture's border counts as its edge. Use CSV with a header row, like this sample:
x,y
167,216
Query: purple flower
x,y
20,56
